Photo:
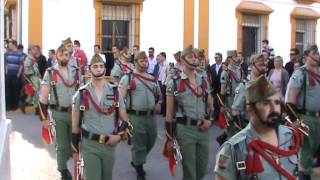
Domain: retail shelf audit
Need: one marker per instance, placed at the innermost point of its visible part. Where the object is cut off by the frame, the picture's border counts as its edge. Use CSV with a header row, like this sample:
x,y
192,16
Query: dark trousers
x,y
164,103
216,107
12,91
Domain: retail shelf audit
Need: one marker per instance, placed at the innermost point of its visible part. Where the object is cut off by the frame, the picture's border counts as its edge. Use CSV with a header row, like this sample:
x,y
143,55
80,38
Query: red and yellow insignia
x,y
223,161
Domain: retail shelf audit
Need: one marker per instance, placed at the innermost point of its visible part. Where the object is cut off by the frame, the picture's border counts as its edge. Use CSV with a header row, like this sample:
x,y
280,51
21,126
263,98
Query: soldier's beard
x,y
63,63
273,120
98,76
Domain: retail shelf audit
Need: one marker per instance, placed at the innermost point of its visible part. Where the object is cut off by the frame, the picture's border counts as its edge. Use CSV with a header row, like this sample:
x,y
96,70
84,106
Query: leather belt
x,y
60,108
308,113
187,121
140,113
101,139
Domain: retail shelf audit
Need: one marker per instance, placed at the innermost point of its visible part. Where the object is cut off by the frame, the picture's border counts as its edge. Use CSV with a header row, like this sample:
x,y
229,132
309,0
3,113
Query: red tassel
x,y
172,165
204,85
55,76
258,167
133,85
249,164
222,122
47,136
182,86
86,100
29,89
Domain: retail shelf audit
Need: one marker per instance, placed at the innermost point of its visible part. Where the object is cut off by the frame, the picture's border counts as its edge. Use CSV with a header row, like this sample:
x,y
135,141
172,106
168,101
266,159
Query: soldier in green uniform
x,y
68,44
32,75
57,88
188,117
239,113
123,66
302,101
141,91
264,149
100,103
230,79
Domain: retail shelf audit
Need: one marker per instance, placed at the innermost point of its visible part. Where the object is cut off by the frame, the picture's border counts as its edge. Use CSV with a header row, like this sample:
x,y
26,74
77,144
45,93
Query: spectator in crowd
x,y
279,76
215,72
162,76
97,50
135,49
116,52
151,60
41,60
109,61
298,64
294,57
13,61
268,62
80,55
20,49
266,47
52,60
243,64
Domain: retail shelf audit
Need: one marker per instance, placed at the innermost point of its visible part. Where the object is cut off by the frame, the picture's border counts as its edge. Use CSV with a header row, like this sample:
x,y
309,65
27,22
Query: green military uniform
x,y
140,105
98,157
309,107
60,106
190,110
120,69
231,78
32,73
237,160
239,102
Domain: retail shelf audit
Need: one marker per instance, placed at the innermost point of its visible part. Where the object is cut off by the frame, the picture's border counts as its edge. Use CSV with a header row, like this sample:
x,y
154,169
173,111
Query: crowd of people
x,y
247,98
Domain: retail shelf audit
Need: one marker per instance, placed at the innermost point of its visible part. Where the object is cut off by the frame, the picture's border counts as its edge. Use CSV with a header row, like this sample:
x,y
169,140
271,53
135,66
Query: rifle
x,y
172,152
78,168
48,134
227,114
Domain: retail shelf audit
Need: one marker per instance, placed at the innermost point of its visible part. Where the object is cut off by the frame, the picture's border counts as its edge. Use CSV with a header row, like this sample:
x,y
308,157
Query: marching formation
x,y
86,108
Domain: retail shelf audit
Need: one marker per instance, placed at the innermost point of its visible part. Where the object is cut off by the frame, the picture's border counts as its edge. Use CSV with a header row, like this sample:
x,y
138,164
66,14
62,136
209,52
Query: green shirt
x,y
143,98
226,163
64,93
193,106
298,83
231,78
119,70
93,121
31,67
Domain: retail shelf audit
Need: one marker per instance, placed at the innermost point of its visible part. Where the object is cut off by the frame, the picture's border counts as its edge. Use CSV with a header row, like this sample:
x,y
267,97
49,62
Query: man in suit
x,y
215,71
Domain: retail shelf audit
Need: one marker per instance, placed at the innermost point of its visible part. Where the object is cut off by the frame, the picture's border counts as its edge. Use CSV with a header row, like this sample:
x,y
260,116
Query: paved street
x,y
32,160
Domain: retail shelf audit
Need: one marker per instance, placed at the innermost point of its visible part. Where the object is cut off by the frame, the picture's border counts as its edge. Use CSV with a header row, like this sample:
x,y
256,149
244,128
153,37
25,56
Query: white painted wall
x,y
162,26
223,26
68,18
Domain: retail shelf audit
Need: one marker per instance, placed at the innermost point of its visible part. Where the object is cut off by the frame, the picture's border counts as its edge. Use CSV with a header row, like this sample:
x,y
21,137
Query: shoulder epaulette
x,y
237,139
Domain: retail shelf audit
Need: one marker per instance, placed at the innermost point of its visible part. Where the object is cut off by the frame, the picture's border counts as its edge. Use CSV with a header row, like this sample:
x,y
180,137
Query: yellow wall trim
x,y
204,25
35,22
188,30
251,7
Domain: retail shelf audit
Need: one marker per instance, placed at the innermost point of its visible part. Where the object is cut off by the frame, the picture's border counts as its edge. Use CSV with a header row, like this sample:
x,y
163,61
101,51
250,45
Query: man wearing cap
x,y
68,44
141,91
230,79
122,66
188,118
32,76
57,88
302,101
97,107
264,149
239,113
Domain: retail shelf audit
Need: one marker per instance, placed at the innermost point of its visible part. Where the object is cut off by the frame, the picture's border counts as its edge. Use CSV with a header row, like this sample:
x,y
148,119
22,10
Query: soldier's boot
x,y
65,175
303,176
141,174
